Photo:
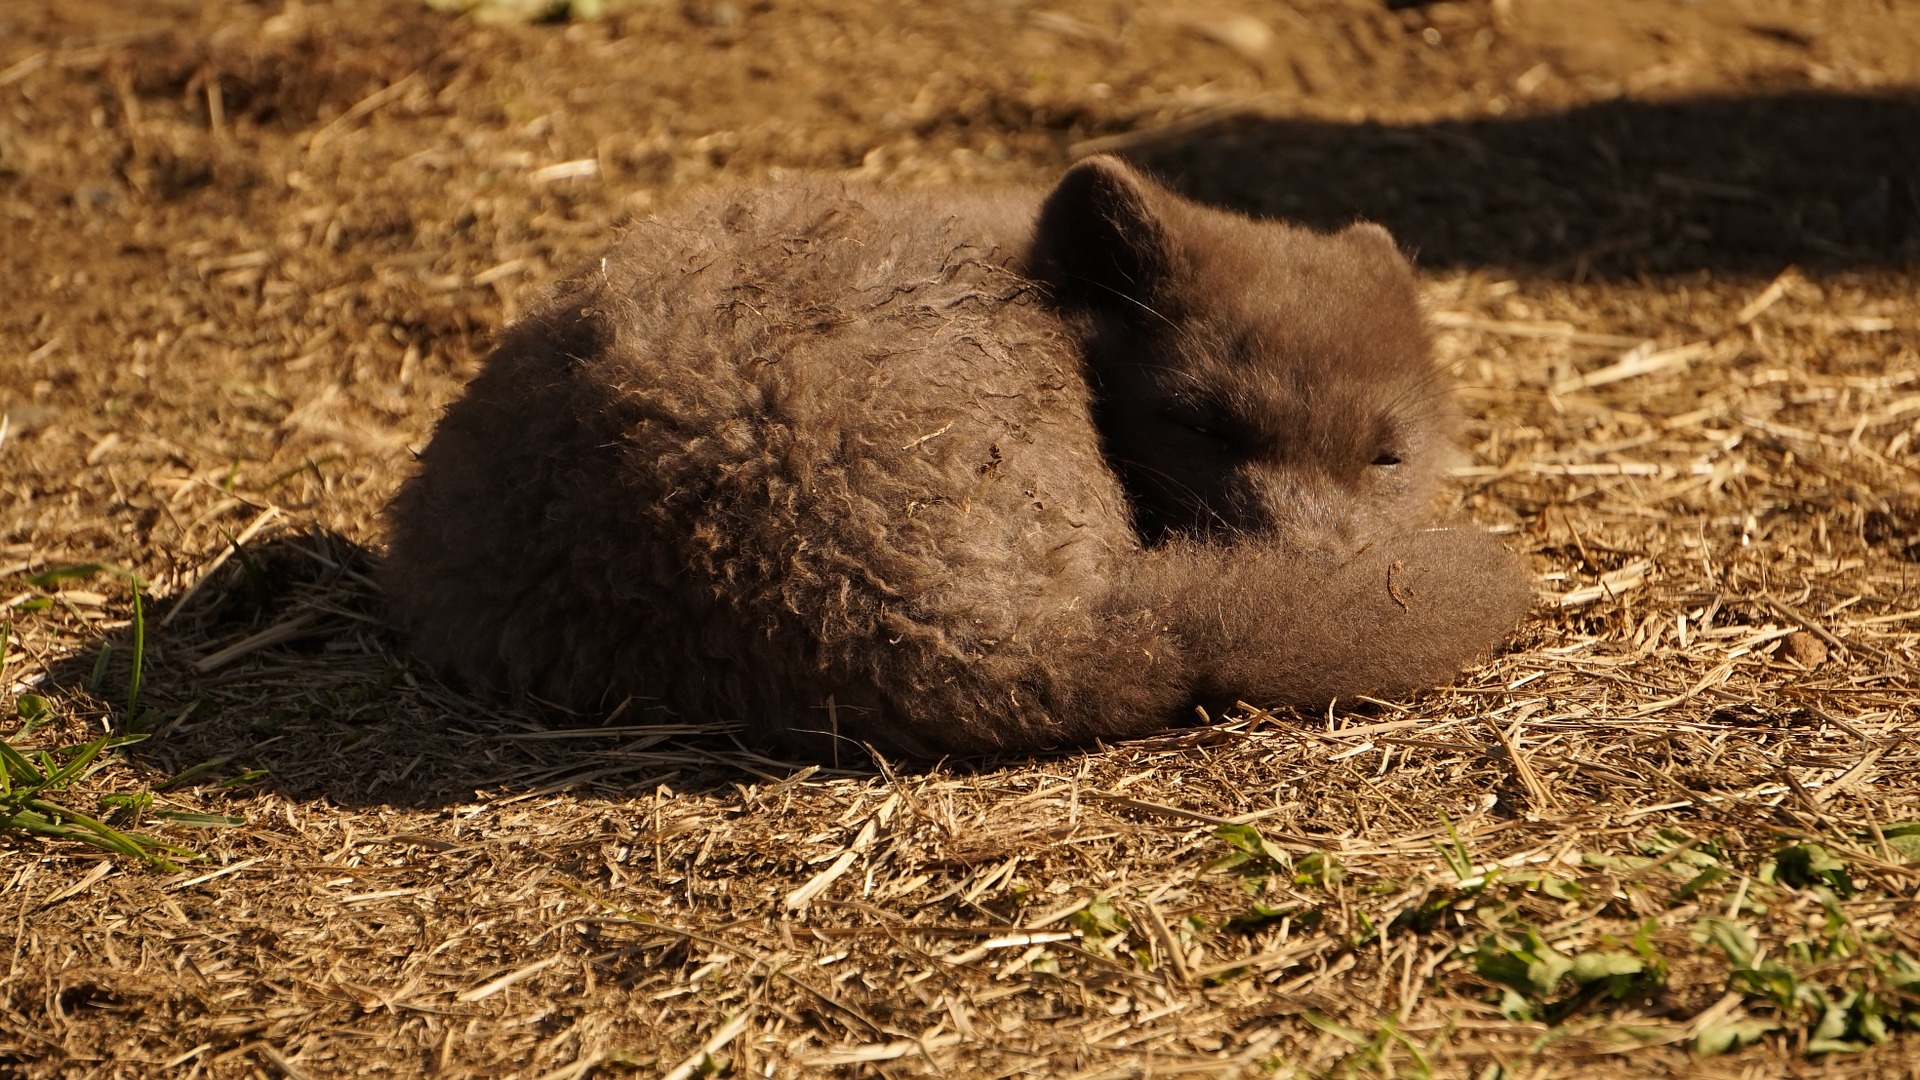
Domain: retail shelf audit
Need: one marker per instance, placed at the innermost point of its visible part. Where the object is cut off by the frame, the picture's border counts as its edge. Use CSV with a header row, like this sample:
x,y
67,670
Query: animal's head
x,y
1248,375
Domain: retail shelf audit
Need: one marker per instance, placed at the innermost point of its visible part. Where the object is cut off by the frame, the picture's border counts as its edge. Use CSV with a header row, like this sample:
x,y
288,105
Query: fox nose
x,y
1309,506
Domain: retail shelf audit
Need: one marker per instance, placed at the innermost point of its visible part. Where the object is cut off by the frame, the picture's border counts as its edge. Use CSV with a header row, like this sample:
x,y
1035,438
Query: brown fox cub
x,y
987,472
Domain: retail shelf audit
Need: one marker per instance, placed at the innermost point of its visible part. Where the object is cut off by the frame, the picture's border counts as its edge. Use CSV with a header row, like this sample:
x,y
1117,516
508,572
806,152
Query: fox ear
x,y
1100,241
1372,233
1366,232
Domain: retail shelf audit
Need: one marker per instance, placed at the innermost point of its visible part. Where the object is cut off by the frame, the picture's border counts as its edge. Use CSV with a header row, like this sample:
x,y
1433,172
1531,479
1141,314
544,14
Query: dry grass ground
x,y
251,249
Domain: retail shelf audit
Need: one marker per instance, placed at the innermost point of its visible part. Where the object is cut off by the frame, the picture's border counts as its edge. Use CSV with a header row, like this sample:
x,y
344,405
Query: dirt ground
x,y
250,249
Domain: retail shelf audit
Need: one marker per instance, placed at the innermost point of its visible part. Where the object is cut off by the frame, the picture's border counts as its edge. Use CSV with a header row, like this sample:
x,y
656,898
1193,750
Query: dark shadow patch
x,y
279,672
1740,185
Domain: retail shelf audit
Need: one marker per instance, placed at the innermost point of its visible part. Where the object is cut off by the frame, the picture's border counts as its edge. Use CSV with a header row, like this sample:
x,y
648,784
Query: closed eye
x,y
1387,459
1200,425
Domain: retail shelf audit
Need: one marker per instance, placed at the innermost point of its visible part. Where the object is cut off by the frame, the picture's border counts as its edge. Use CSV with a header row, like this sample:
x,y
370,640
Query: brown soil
x,y
251,249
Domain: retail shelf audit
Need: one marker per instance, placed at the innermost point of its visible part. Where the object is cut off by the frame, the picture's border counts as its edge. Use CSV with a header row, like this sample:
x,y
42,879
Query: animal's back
x,y
785,445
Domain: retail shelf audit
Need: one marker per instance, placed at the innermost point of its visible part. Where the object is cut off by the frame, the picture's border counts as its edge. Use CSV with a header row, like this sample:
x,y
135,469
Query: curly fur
x,y
984,472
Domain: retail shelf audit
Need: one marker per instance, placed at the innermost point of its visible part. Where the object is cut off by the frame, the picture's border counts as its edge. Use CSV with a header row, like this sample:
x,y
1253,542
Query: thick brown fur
x,y
984,472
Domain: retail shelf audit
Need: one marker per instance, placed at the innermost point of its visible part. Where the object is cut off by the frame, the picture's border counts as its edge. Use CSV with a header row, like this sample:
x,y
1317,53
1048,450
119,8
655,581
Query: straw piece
x,y
86,881
733,1027
1768,296
1523,771
493,986
1643,359
878,1052
279,633
261,521
1610,585
366,106
1546,331
279,1061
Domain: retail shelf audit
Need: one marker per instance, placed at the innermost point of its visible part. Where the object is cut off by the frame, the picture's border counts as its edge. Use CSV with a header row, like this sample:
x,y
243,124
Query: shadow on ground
x,y
1741,186
280,672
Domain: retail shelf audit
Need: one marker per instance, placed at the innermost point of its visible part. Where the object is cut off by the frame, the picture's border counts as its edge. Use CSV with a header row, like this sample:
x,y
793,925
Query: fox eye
x,y
1387,459
1210,433
1196,421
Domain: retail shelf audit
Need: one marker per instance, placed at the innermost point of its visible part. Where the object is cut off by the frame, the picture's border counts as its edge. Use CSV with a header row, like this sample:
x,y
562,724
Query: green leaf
x,y
1545,973
1259,914
32,708
1319,868
1232,860
1904,974
1527,964
1590,967
65,773
1561,888
1707,878
1700,856
1872,1026
1720,1038
49,819
1649,952
1251,847
1903,838
1365,931
1098,921
1734,939
1619,864
1516,1008
1809,864
1834,1016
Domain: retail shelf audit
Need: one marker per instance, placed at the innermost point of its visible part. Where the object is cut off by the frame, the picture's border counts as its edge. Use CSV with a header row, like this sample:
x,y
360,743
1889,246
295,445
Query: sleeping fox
x,y
946,472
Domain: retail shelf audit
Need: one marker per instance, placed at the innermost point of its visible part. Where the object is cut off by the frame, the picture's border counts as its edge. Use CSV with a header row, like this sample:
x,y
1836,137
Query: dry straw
x,y
1667,820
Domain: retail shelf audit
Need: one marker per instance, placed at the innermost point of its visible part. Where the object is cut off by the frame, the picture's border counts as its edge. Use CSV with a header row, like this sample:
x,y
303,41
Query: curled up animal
x,y
989,471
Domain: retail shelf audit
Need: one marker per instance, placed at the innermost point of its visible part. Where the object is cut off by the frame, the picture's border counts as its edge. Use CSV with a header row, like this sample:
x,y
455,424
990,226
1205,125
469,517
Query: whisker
x,y
1135,301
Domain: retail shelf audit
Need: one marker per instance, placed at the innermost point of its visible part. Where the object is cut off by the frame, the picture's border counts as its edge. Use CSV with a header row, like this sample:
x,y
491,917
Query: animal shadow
x,y
278,671
1732,185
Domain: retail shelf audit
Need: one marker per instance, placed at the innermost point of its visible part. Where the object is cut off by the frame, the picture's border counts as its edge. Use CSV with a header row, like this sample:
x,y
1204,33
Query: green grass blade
x,y
12,763
94,831
65,773
59,574
192,772
139,651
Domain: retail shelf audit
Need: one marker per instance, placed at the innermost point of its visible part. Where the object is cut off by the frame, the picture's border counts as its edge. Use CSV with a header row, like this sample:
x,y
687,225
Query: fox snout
x,y
1310,508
